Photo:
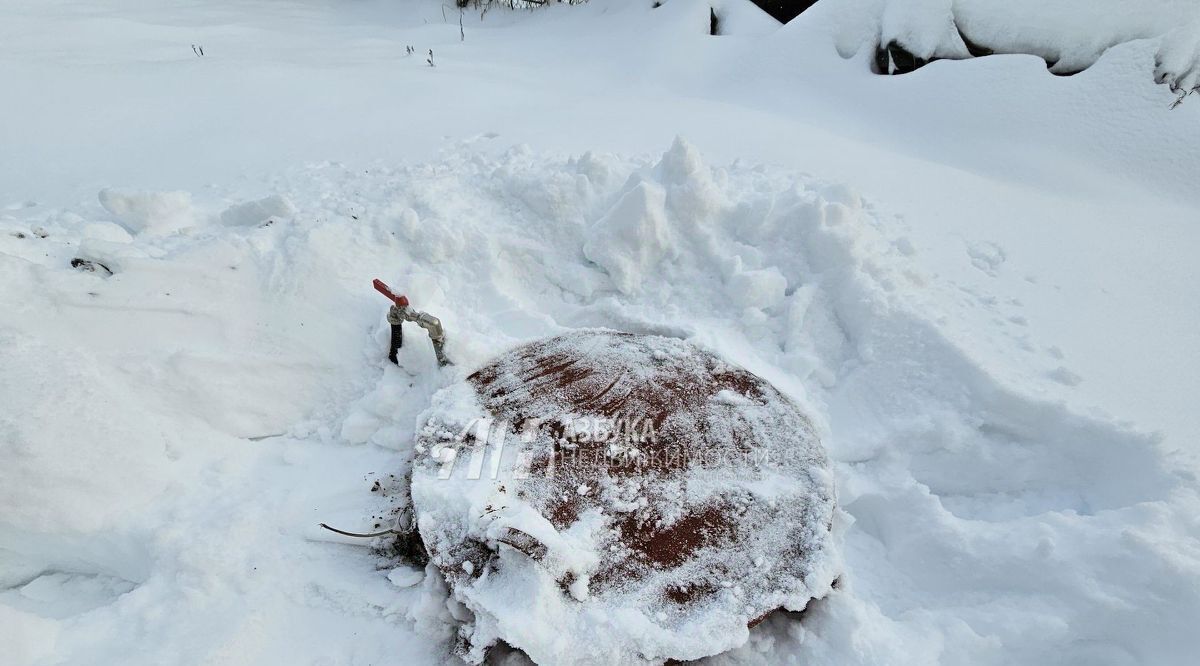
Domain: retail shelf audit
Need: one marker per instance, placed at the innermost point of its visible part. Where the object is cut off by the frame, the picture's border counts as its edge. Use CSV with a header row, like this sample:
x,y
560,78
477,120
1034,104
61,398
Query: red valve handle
x,y
382,288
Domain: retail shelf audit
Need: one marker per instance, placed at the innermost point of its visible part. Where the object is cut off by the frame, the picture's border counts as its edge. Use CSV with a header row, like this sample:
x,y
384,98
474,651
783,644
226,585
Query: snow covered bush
x,y
1070,35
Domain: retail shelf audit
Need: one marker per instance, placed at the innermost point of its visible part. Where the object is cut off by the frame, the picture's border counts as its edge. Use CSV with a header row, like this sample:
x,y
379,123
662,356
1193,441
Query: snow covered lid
x,y
602,497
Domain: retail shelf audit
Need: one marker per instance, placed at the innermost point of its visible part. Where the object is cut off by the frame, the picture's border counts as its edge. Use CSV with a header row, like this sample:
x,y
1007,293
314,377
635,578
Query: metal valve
x,y
400,312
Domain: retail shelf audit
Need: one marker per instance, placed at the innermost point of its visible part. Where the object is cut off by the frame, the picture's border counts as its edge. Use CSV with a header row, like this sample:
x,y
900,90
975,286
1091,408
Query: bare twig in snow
x,y
1182,96
357,535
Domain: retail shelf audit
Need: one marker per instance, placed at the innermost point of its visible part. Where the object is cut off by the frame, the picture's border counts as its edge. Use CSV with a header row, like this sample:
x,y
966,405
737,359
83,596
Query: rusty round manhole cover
x,y
603,497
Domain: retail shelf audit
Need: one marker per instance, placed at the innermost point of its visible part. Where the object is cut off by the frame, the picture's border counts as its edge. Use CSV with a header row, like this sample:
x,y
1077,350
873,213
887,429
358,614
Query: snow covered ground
x,y
980,276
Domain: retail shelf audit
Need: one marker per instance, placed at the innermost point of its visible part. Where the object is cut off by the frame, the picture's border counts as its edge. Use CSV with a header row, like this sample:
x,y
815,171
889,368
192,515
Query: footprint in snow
x,y
986,256
1064,376
61,594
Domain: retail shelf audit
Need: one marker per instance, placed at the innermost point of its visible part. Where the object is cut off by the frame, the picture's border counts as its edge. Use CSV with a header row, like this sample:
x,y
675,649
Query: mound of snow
x,y
633,237
990,519
150,212
1178,61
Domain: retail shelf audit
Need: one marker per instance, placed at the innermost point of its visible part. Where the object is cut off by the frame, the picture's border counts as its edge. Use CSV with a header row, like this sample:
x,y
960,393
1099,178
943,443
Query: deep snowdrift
x,y
988,525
